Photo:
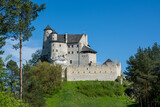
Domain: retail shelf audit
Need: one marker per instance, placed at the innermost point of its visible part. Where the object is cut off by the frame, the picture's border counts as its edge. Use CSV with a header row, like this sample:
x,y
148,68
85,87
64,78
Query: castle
x,y
78,60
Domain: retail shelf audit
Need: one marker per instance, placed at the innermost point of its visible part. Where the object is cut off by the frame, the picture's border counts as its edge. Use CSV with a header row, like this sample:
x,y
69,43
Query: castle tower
x,y
47,32
54,36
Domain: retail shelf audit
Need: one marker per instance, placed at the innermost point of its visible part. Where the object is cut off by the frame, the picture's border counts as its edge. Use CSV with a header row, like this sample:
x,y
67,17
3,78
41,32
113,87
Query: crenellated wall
x,y
108,72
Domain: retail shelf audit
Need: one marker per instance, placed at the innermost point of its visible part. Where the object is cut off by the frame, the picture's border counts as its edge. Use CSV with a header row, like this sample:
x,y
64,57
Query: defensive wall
x,y
106,72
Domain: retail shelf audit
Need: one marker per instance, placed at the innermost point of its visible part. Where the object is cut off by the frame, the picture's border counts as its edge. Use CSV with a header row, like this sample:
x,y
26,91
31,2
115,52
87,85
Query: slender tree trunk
x,y
21,66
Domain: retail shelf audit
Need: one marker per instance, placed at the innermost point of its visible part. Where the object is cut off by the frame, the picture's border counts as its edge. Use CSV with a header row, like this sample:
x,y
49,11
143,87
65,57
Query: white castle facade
x,y
76,57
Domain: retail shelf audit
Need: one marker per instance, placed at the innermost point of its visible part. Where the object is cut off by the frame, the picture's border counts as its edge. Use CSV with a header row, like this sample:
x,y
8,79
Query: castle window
x,y
56,50
68,52
60,45
53,50
72,46
73,72
70,61
77,46
53,44
77,52
87,68
72,52
68,46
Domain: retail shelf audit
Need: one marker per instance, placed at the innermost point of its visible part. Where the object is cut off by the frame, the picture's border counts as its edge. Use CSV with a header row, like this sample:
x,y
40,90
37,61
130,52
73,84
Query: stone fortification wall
x,y
95,72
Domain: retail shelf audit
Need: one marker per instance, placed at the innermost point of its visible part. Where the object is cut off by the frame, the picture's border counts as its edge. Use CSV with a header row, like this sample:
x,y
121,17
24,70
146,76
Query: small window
x,y
70,61
77,52
60,45
68,46
56,50
72,46
53,44
72,52
77,46
87,68
68,52
53,50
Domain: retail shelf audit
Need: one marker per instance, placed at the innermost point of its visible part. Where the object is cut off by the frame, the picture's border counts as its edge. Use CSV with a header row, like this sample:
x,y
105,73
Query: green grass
x,y
72,94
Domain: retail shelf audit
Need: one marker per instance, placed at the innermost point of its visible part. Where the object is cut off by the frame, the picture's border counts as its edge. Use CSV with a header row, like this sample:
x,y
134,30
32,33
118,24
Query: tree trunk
x,y
20,65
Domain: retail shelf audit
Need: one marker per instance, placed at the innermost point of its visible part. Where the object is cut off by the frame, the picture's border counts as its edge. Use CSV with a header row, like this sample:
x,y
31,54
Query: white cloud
x,y
27,51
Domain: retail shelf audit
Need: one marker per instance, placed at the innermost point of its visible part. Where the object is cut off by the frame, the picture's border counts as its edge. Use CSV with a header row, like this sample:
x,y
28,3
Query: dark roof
x,y
86,49
48,28
54,32
108,60
71,38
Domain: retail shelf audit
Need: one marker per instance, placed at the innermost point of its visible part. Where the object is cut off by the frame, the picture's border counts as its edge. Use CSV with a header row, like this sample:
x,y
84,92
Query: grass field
x,y
69,96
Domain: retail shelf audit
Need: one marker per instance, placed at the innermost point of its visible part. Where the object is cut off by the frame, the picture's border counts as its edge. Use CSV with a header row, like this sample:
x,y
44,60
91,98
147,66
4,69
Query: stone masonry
x,y
76,57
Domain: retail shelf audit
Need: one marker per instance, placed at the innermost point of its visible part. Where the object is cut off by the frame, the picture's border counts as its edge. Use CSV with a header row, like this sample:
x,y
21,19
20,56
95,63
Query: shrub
x,y
7,100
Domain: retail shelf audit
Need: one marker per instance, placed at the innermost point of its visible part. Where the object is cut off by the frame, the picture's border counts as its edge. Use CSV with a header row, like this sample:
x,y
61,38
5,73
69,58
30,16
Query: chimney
x,y
66,36
115,61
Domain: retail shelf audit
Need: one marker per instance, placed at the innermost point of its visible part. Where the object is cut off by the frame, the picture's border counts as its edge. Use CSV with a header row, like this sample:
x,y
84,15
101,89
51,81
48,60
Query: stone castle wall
x,y
108,72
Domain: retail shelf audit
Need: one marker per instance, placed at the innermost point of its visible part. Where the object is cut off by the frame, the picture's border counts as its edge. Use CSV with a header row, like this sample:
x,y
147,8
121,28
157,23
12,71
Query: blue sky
x,y
115,28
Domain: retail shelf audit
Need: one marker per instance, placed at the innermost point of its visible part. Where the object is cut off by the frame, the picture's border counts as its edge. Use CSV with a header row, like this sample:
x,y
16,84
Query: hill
x,y
90,93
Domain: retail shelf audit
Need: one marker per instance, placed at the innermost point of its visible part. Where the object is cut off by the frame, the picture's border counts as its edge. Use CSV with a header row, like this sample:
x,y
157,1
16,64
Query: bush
x,y
7,100
41,80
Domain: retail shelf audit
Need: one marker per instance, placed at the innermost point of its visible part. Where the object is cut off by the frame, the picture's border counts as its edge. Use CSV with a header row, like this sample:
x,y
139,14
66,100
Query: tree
x,y
35,57
40,80
13,75
17,16
142,71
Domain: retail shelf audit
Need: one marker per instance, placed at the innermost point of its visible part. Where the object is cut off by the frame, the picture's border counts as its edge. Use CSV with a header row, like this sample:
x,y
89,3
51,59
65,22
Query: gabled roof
x,y
48,28
71,38
108,60
74,38
86,49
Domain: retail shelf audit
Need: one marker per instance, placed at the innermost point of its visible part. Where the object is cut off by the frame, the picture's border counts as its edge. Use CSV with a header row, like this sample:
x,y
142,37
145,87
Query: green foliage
x,y
2,75
2,43
12,76
39,80
35,57
6,100
143,69
16,16
98,89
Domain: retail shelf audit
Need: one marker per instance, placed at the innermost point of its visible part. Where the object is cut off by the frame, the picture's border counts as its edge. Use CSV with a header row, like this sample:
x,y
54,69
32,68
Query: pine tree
x,y
16,17
140,70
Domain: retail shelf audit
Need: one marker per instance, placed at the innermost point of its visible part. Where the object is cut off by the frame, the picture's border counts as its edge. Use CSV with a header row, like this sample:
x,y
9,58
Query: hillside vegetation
x,y
90,93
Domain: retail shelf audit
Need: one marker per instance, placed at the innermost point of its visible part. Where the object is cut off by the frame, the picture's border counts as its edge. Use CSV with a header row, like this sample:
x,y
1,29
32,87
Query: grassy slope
x,y
69,97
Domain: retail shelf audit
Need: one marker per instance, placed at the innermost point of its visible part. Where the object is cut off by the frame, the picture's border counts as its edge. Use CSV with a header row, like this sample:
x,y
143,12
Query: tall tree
x,y
17,16
12,75
142,70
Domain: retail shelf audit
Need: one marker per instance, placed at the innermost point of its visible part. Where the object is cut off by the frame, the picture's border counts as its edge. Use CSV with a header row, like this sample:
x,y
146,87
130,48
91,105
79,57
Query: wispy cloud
x,y
27,51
